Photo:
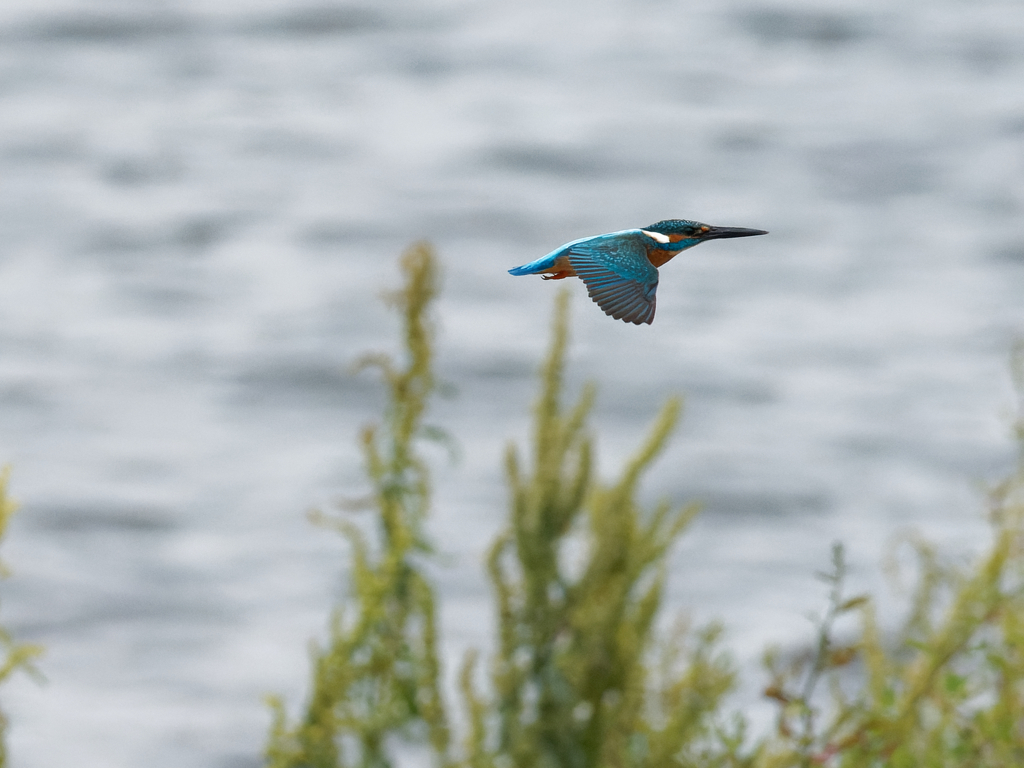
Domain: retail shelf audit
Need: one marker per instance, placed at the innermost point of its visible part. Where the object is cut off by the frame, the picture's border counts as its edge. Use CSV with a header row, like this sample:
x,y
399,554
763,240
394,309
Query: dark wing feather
x,y
618,275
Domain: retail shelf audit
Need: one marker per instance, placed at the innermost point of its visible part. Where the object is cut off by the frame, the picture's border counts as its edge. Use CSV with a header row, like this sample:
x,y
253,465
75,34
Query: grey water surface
x,y
201,202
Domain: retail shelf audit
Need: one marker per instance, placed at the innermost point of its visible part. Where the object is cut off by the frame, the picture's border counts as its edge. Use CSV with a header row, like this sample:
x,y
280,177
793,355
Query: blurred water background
x,y
200,203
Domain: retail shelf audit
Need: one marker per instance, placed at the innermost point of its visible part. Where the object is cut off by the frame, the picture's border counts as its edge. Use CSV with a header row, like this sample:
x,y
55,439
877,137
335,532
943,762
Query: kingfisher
x,y
620,269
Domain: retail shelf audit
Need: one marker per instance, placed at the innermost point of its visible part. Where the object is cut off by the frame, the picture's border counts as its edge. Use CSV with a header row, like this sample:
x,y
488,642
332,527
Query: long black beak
x,y
719,233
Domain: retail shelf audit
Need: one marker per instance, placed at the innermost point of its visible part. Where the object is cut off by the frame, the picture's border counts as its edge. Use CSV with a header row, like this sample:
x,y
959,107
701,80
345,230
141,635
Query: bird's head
x,y
678,234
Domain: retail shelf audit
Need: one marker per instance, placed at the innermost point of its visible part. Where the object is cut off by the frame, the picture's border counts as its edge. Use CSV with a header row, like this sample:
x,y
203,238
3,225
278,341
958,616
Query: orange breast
x,y
659,256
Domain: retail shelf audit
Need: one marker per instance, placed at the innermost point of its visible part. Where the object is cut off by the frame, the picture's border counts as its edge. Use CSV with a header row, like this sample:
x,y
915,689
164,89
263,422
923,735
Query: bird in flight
x,y
620,269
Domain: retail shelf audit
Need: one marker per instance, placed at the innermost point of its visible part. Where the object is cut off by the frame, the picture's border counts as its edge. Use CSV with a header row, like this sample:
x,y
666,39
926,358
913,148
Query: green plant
x,y
946,690
17,655
583,675
377,677
581,678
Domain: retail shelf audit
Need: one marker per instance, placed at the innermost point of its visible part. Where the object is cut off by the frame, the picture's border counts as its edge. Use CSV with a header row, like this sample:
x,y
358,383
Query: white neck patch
x,y
657,236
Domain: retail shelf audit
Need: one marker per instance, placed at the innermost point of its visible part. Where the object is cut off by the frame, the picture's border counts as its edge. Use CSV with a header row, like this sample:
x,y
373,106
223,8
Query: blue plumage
x,y
620,269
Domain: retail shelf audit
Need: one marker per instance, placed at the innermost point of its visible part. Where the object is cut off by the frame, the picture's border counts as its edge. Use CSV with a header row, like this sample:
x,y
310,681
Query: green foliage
x,y
583,674
946,690
377,678
17,655
579,679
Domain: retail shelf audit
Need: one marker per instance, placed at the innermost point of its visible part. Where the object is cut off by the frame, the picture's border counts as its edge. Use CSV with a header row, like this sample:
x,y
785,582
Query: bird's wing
x,y
618,275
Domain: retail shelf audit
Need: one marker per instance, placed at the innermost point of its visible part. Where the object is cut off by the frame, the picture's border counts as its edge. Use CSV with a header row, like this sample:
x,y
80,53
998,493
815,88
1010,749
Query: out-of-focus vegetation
x,y
946,690
378,676
582,676
16,655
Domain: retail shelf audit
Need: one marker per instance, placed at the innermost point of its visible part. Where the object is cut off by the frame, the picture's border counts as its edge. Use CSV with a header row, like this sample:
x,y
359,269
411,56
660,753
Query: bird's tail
x,y
543,264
